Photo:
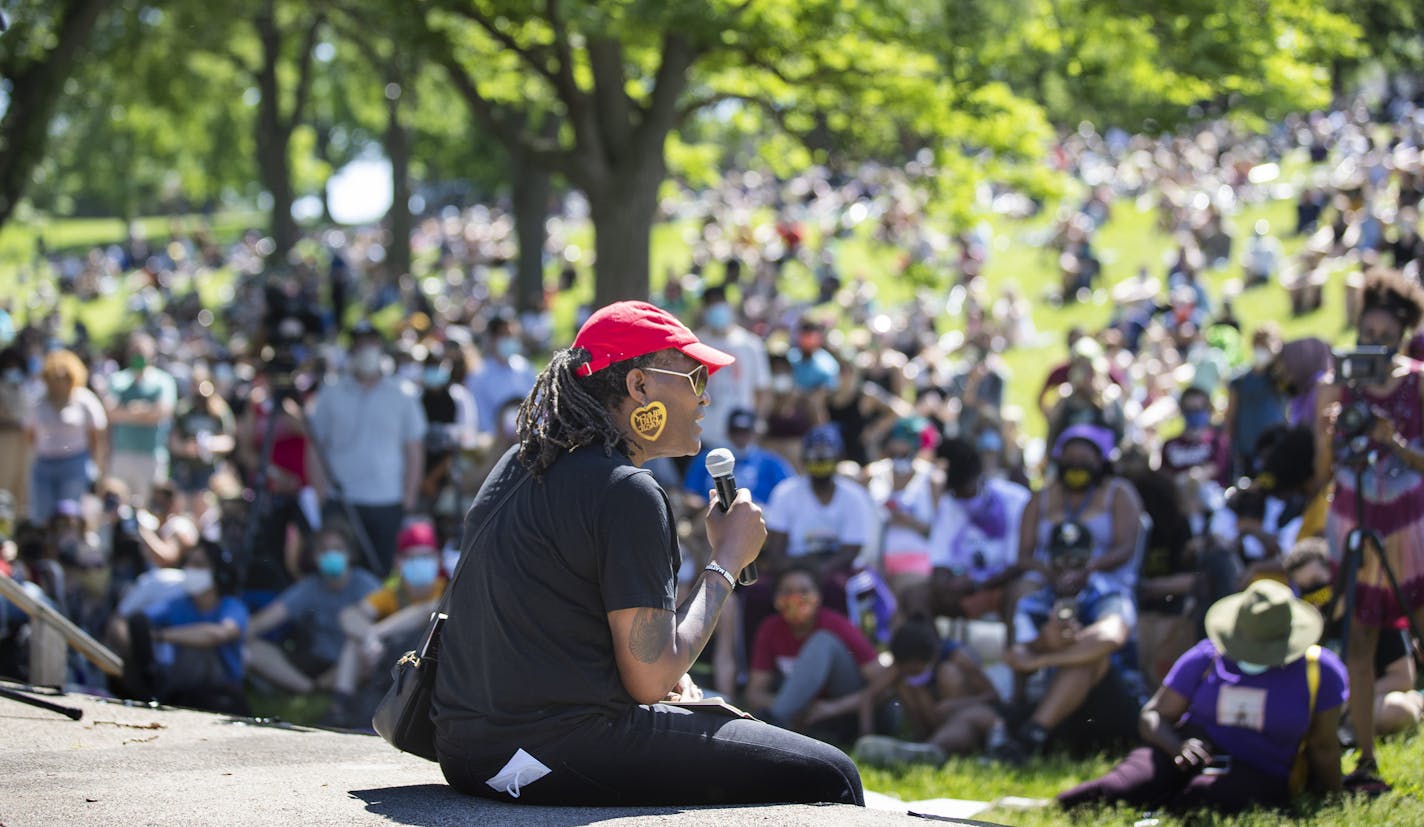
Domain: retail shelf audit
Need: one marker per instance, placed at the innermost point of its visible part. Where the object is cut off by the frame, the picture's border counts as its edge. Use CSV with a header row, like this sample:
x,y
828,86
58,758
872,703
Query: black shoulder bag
x,y
403,717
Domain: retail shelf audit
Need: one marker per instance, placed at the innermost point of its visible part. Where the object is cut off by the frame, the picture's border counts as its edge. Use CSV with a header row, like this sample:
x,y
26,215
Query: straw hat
x,y
1265,624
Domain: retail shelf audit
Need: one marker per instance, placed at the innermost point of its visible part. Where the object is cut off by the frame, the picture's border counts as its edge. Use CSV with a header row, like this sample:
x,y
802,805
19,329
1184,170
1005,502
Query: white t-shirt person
x,y
815,528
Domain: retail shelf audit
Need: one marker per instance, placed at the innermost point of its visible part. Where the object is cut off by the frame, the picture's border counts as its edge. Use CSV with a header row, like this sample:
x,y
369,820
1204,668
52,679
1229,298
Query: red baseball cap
x,y
418,535
625,330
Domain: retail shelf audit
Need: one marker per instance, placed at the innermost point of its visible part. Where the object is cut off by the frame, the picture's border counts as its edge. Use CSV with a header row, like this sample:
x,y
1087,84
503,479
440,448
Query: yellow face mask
x,y
1318,597
821,468
1077,478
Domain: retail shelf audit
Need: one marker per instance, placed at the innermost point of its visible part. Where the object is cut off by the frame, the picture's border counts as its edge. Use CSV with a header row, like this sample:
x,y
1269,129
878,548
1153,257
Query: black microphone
x,y
720,463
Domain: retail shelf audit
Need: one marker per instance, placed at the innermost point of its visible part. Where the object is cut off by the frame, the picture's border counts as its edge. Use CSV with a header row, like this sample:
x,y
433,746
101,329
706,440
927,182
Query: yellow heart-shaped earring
x,y
648,421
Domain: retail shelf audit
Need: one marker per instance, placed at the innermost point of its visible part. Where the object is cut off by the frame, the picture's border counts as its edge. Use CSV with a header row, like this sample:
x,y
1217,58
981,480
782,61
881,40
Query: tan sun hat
x,y
1265,624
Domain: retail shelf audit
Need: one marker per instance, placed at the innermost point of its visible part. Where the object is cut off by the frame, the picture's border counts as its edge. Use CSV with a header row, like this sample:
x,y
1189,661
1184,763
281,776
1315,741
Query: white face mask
x,y
1250,668
782,383
1261,356
197,581
366,361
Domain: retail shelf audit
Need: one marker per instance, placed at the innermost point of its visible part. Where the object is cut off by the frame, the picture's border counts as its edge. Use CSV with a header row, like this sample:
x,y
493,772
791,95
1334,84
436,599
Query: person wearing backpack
x,y
1247,717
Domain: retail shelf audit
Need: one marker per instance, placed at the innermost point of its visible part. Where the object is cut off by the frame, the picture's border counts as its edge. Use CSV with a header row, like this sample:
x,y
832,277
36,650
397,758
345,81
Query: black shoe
x,y
1008,752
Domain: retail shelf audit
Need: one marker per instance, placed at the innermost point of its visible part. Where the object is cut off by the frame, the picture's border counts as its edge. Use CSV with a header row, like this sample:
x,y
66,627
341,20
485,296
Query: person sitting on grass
x,y
386,623
949,702
1075,633
189,651
1236,714
809,664
306,619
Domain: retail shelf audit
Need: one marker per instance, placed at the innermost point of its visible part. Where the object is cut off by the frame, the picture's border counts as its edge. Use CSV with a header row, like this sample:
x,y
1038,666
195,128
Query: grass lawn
x,y
966,778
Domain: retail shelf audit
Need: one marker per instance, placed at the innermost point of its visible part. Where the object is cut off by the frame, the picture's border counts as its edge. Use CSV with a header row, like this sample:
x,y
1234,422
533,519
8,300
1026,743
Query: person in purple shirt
x,y
1224,730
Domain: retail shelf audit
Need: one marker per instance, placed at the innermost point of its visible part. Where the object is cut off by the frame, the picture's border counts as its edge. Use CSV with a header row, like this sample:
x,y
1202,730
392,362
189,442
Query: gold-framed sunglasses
x,y
697,377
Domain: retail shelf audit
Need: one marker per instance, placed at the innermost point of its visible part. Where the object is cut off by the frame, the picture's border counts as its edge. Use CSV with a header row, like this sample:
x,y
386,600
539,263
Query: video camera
x,y
1368,365
1363,366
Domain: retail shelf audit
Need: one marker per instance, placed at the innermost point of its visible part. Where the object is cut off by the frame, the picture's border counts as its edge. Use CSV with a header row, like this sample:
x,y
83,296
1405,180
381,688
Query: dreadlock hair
x,y
566,411
1391,291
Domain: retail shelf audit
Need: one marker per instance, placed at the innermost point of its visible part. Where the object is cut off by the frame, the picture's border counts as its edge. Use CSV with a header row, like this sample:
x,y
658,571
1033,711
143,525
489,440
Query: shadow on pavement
x,y
433,805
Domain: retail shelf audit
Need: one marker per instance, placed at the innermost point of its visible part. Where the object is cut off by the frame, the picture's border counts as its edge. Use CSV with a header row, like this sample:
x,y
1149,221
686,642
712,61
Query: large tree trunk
x,y
275,171
274,129
398,217
623,214
273,136
532,186
33,95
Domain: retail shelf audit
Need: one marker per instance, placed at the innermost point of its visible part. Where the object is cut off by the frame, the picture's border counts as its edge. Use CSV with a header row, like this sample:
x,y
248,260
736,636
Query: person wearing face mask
x,y
743,385
388,621
758,470
789,412
814,369
810,665
371,430
141,401
904,488
1398,707
973,539
1085,490
820,518
1236,714
304,658
949,702
1074,633
452,427
189,651
1199,449
503,374
1389,488
1254,401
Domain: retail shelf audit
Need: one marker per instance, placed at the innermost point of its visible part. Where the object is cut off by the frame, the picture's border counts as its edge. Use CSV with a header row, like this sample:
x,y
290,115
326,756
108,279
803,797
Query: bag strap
x,y
1312,684
464,552
1312,675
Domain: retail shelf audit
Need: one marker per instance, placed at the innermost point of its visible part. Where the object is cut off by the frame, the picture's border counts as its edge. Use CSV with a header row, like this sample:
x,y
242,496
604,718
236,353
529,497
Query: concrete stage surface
x,y
124,765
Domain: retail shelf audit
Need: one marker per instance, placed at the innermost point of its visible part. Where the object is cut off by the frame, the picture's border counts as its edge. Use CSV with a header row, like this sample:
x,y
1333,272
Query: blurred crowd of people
x,y
277,509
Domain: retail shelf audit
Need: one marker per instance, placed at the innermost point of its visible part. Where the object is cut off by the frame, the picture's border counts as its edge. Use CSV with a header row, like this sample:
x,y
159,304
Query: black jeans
x,y
662,755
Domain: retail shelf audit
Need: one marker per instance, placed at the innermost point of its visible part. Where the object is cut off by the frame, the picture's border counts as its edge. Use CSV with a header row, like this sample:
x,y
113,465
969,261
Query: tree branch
x,y
576,103
304,71
662,113
610,100
693,105
514,138
538,58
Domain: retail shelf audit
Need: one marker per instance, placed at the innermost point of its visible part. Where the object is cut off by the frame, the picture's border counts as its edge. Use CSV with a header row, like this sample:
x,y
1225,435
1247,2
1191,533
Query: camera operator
x,y
1372,446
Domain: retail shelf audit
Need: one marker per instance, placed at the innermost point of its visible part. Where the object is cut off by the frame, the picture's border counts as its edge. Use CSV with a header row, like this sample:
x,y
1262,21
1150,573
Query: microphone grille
x,y
720,462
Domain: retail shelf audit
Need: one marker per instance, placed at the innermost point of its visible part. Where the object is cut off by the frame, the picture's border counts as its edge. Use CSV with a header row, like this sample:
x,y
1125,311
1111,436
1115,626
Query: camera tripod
x,y
1360,537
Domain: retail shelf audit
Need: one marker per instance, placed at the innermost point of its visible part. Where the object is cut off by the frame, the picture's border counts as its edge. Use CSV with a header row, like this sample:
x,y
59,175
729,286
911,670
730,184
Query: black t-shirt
x,y
527,651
